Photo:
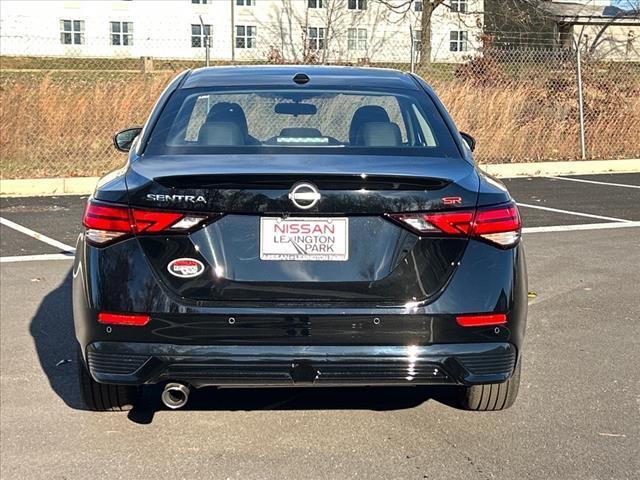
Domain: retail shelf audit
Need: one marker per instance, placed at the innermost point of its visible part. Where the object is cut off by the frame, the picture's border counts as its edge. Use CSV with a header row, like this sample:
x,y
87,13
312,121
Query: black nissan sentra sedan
x,y
299,226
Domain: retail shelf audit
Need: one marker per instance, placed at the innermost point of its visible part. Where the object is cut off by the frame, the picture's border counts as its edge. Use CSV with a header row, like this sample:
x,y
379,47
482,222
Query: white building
x,y
244,30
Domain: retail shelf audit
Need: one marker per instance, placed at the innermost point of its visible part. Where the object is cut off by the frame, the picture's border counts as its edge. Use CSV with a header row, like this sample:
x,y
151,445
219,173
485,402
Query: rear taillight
x,y
149,221
453,223
105,223
499,224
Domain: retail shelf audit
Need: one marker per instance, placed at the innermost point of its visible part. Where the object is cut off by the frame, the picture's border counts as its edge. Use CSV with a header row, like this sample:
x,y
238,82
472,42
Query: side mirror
x,y
469,140
124,138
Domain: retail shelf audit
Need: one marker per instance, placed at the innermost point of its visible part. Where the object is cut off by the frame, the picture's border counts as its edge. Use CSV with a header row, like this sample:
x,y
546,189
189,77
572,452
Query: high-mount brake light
x,y
499,224
106,223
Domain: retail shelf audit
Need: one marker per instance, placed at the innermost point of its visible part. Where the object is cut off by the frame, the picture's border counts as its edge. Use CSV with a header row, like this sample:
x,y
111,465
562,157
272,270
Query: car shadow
x,y
297,398
55,340
54,337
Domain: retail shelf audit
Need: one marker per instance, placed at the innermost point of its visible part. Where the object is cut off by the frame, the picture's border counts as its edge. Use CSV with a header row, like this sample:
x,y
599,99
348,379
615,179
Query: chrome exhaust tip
x,y
175,395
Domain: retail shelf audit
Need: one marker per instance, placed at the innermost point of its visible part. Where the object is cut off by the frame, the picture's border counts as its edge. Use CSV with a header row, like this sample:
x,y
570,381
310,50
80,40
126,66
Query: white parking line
x,y
587,226
529,230
69,251
38,236
35,258
569,179
570,212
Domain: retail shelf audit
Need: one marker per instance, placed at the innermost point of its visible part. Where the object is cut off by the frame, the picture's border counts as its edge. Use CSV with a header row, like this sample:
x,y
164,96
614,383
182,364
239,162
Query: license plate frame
x,y
307,239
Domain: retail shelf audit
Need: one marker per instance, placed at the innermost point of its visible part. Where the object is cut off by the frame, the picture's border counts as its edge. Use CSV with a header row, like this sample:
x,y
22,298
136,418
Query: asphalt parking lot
x,y
577,415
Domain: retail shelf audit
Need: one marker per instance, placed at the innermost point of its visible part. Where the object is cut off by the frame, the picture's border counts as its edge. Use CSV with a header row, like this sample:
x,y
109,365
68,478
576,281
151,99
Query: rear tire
x,y
491,397
103,397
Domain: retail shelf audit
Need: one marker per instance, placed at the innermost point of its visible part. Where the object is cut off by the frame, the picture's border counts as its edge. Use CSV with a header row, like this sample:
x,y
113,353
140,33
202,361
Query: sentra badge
x,y
155,197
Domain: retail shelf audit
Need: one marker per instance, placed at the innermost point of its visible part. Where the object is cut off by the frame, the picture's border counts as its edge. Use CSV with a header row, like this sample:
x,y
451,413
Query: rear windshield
x,y
201,121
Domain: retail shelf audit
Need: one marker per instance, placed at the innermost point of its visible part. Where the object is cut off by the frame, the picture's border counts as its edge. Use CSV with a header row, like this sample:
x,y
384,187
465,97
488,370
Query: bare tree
x,y
633,11
292,26
519,23
402,8
519,20
532,22
284,24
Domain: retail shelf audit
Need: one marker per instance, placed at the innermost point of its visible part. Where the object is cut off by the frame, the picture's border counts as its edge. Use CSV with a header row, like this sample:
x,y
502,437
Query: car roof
x,y
282,76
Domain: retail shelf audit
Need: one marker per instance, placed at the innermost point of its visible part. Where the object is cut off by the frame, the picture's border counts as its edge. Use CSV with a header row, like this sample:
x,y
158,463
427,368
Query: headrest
x,y
229,112
365,114
379,134
219,134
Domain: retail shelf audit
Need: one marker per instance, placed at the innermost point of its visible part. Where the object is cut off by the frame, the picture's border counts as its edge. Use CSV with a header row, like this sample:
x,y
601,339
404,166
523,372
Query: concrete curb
x,y
86,185
34,187
545,169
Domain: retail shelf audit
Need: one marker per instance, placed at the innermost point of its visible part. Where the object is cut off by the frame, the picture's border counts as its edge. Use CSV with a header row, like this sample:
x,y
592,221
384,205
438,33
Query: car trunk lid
x,y
249,197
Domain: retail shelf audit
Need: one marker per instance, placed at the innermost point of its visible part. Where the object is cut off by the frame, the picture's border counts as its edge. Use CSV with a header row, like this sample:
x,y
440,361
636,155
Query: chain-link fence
x,y
522,104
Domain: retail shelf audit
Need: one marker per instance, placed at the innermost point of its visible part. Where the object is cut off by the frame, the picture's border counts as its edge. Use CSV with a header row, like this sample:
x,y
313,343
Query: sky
x,y
626,4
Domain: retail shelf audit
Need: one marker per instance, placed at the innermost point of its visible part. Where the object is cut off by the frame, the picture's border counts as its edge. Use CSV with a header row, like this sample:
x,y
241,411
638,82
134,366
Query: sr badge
x,y
185,267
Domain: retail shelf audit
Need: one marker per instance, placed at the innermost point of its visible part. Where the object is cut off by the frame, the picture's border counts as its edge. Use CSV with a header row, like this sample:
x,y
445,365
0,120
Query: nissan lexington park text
x,y
299,226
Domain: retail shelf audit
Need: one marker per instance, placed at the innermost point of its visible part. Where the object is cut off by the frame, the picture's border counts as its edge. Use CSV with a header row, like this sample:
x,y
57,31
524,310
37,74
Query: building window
x,y
122,33
245,36
315,3
458,41
357,4
200,2
417,40
316,38
459,6
198,34
417,5
245,3
357,39
72,32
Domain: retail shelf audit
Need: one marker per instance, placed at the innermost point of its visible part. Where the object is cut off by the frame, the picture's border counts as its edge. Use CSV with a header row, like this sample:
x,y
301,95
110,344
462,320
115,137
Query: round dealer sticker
x,y
185,267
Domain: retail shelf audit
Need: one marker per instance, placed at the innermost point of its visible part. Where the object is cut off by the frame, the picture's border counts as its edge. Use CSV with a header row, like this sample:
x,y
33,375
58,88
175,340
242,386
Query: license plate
x,y
308,239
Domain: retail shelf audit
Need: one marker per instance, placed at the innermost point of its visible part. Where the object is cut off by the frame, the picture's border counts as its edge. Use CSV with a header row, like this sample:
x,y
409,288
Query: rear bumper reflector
x,y
481,320
135,320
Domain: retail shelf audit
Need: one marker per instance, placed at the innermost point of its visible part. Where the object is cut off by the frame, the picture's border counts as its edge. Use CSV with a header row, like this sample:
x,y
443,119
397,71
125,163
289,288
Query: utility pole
x,y
233,29
583,146
412,51
207,43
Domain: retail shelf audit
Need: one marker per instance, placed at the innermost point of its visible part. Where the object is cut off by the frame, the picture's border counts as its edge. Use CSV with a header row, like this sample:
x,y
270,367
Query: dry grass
x,y
535,117
60,123
511,125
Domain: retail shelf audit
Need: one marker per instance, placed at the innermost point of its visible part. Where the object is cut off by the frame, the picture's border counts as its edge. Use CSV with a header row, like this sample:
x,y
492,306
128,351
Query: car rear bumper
x,y
446,364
